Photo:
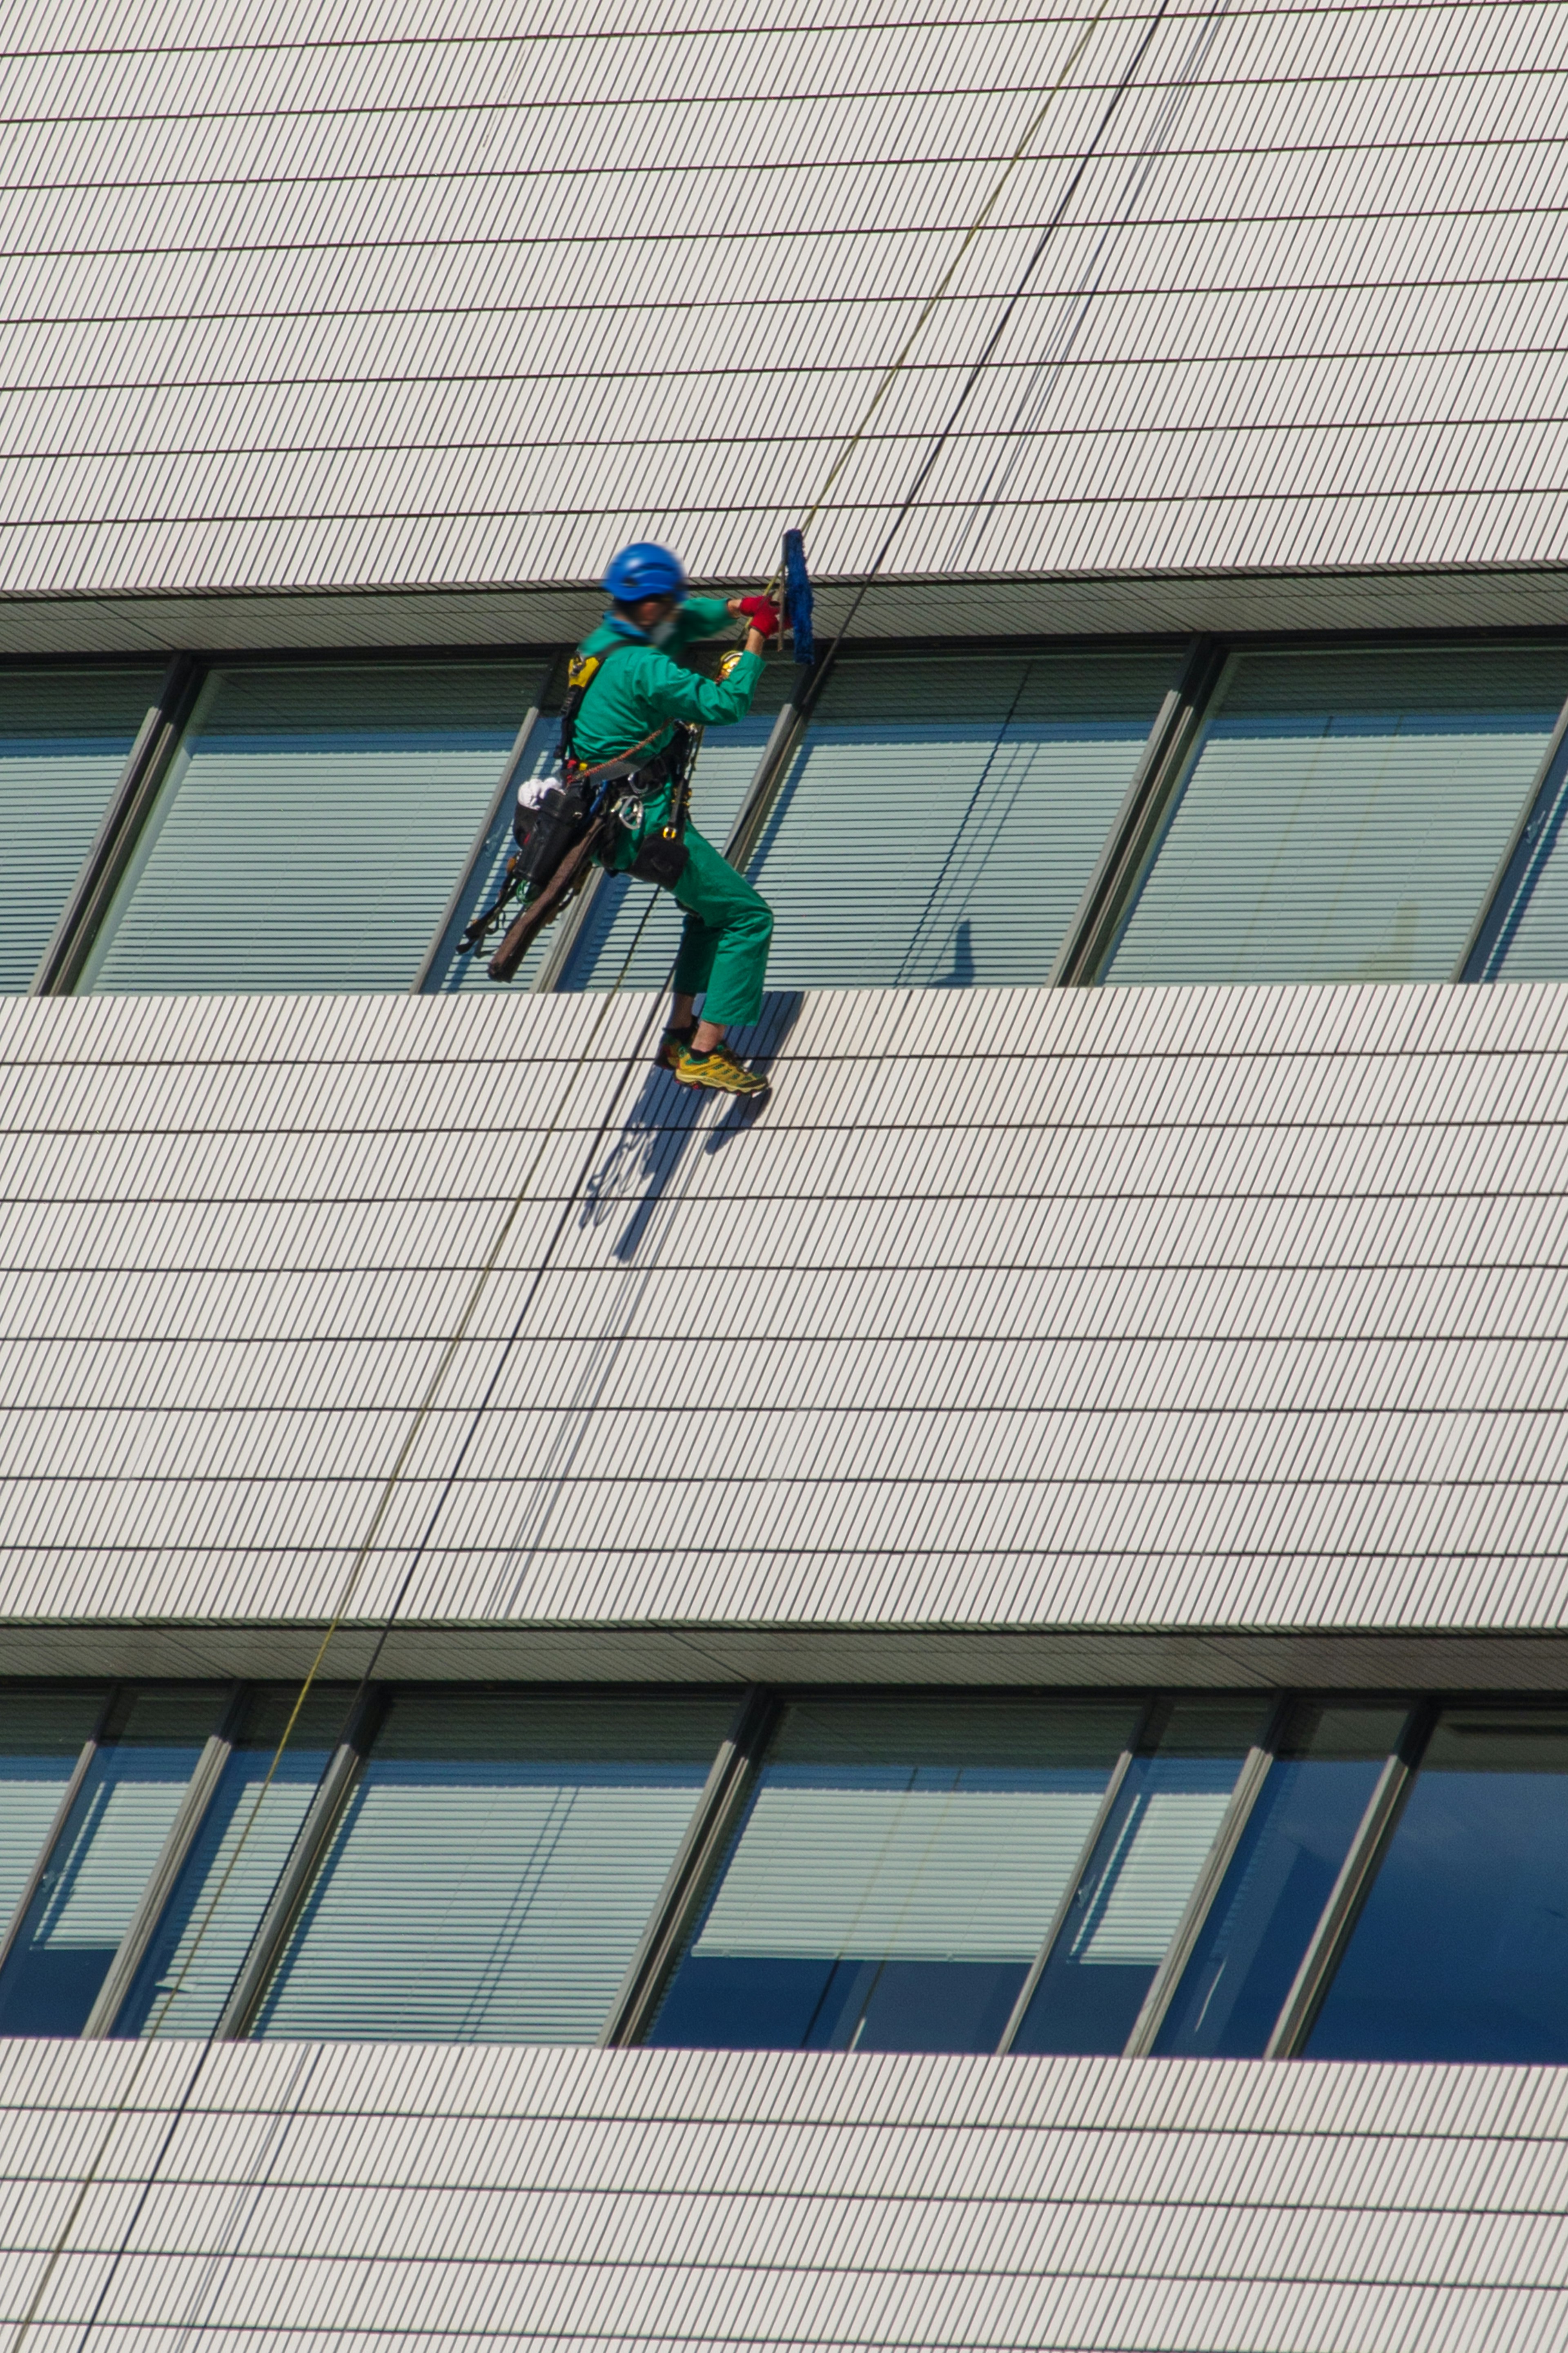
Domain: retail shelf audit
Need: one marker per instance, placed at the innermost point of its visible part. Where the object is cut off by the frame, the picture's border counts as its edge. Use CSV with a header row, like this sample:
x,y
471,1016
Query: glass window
x,y
494,1867
636,919
1131,1899
196,1956
113,1837
65,736
311,828
894,1875
1461,1952
1343,816
1261,1921
42,1734
1525,936
945,812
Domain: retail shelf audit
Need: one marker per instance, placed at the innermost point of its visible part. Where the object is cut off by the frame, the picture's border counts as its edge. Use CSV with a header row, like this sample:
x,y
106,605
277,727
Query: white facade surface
x,y
1217,1309
337,2196
385,299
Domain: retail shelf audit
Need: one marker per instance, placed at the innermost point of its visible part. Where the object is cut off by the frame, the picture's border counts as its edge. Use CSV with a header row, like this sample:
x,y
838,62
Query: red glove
x,y
762,615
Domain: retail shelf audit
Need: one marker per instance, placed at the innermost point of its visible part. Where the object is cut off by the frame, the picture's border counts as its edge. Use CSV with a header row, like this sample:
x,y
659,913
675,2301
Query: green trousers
x,y
724,939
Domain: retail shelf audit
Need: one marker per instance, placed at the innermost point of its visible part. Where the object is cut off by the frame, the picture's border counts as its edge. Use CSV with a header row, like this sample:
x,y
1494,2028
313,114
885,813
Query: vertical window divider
x,y
706,1834
183,1832
1164,758
1351,1889
146,764
513,760
1506,888
68,1796
1248,1788
1152,1711
784,741
293,1885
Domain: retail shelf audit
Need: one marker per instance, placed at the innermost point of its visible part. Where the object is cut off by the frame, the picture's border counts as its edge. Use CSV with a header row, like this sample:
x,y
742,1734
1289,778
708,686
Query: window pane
x,y
42,1734
1526,934
944,813
65,736
1462,1951
495,1869
1261,1921
197,1955
725,767
894,1875
1131,1899
1343,817
114,1836
311,828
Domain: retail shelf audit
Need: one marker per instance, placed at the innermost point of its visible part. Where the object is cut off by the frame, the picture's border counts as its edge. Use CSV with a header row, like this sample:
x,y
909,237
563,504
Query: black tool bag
x,y
663,857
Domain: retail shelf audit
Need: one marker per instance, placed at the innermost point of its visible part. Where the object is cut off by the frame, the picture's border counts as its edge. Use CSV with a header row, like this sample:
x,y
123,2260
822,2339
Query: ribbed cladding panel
x,y
698,2199
1238,1307
381,313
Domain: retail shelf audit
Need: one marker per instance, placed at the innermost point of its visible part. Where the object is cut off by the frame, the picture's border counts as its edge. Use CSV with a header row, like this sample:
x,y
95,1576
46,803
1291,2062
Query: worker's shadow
x,y
639,1169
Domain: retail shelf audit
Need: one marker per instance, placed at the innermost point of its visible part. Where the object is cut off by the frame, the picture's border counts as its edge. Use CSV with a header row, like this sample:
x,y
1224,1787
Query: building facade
x,y
938,1718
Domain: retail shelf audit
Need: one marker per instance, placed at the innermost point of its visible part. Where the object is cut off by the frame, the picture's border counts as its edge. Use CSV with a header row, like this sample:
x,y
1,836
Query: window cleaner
x,y
631,722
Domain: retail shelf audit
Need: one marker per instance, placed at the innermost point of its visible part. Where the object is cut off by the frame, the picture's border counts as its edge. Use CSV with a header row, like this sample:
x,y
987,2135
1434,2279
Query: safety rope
x,y
477,1289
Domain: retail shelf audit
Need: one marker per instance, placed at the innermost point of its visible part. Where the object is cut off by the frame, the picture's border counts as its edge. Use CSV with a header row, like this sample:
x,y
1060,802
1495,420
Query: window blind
x,y
894,1875
492,1874
1134,1891
114,1834
944,813
1343,816
65,736
42,1734
311,828
637,918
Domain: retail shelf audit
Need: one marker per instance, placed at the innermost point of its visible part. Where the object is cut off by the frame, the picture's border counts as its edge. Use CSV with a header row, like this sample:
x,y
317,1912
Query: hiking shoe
x,y
720,1068
669,1046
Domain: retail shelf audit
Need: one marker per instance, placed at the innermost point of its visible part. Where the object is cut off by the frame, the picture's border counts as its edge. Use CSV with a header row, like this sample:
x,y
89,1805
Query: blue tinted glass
x,y
1462,1951
1258,1929
893,1876
1131,1899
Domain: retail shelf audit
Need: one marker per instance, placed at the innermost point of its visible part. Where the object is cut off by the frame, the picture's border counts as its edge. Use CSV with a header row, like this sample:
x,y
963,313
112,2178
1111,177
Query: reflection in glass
x,y
42,1734
65,736
1461,1952
1343,816
893,1876
494,1869
1273,1897
196,1953
313,828
976,791
1131,1899
114,1834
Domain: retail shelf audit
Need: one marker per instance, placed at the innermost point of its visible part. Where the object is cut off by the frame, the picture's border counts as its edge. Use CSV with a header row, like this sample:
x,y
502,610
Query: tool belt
x,y
662,857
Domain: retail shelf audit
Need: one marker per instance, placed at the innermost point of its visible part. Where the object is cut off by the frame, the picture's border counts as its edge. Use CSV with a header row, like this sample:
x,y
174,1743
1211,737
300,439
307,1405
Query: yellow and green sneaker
x,y
720,1069
669,1046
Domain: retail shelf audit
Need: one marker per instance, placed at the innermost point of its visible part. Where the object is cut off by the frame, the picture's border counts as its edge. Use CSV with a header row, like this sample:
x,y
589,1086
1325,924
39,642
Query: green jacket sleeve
x,y
701,617
676,693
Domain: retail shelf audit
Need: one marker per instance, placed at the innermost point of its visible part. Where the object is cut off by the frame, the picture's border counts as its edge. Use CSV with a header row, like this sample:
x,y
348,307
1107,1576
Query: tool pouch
x,y
662,858
558,822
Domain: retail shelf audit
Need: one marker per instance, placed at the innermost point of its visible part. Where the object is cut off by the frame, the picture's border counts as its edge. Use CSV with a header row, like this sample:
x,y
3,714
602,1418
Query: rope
x,y
437,1378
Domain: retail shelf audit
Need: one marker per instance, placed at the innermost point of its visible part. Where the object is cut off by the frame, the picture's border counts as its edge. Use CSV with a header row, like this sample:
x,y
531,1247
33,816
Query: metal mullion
x,y
72,1791
333,1791
728,1786
1164,761
60,964
1248,1788
1351,1889
460,888
1119,1772
183,1830
1546,785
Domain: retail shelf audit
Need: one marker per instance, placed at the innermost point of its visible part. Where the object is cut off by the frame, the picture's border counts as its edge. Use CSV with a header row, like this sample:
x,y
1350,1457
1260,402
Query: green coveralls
x,y
723,954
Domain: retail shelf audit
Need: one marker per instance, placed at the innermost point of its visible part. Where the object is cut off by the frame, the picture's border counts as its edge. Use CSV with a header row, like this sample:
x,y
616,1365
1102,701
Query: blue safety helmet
x,y
644,569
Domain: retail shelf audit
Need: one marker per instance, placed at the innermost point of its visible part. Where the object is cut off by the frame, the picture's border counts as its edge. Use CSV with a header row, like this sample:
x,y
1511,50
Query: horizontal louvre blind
x,y
64,740
42,1734
725,767
495,1869
1343,815
311,828
943,816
